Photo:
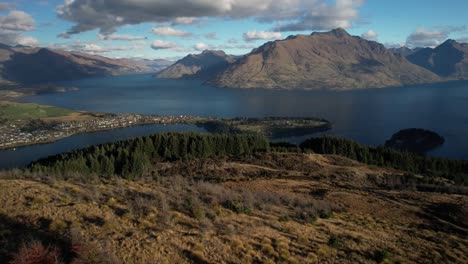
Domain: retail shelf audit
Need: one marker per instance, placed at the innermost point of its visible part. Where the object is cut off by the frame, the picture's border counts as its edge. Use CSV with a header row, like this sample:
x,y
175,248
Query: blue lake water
x,y
367,116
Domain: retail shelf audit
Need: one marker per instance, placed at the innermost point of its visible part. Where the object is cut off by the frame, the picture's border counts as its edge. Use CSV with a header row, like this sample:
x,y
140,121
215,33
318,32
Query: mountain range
x,y
327,60
200,66
449,60
332,60
26,65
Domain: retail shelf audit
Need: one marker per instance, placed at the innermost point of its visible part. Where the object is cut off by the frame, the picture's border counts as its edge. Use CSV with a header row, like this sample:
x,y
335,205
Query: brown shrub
x,y
35,252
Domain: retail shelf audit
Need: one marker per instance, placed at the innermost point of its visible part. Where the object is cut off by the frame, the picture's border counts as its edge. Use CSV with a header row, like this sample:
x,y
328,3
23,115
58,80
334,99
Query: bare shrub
x,y
164,214
86,252
142,205
195,207
35,252
411,182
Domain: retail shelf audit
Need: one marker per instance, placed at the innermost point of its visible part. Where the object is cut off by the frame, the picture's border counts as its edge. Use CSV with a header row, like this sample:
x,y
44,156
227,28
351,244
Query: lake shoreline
x,y
122,121
11,147
167,120
358,115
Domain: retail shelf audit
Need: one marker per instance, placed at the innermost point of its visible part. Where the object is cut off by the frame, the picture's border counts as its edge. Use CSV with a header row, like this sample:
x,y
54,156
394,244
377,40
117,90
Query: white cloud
x,y
426,38
14,38
319,15
236,46
168,31
27,41
394,45
261,35
294,15
201,46
120,37
12,26
93,48
370,35
17,21
423,37
161,44
185,21
463,40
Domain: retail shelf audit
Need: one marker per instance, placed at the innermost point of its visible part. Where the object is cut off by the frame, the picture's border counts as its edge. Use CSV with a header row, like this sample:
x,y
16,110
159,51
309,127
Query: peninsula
x,y
28,124
24,124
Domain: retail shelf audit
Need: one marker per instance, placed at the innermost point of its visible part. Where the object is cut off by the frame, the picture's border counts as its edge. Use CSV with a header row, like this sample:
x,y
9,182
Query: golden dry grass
x,y
175,218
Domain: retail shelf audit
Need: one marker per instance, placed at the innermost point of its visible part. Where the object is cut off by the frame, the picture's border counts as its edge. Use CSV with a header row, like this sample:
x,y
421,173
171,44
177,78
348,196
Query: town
x,y
20,133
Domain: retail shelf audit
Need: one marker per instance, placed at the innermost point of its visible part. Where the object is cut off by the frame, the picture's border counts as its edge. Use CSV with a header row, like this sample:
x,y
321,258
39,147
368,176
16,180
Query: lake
x,y
367,116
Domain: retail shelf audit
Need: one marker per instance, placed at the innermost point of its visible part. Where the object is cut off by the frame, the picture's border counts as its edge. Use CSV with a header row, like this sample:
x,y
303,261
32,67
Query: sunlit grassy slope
x,y
19,111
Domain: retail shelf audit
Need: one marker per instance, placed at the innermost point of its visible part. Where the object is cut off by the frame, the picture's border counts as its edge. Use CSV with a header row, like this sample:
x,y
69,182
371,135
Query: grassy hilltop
x,y
188,198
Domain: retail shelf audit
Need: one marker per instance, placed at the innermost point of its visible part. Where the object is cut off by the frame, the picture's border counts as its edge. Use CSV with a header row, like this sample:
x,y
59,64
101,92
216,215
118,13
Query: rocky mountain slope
x,y
449,60
330,60
200,66
42,65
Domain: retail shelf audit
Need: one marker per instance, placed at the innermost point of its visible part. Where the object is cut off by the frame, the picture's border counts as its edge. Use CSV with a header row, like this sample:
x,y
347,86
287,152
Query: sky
x,y
170,29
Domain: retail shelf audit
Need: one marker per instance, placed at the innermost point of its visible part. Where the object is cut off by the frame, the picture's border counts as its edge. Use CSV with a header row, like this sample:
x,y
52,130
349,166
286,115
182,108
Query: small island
x,y
271,127
415,140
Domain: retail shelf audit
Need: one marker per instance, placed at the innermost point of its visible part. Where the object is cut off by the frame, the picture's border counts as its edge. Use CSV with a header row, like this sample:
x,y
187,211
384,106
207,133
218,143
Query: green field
x,y
17,111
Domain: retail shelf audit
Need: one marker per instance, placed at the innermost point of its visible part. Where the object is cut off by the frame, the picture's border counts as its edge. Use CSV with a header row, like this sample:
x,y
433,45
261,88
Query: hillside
x,y
449,60
269,208
199,66
332,60
200,198
42,65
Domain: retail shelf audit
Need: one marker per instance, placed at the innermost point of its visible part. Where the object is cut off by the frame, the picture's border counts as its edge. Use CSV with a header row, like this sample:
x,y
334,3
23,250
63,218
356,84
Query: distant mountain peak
x,y
449,60
45,51
322,60
206,53
340,32
216,52
337,32
198,66
448,42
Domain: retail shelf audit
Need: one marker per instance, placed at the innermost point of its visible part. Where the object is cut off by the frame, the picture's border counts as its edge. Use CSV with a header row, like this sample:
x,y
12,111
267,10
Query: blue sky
x,y
174,28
